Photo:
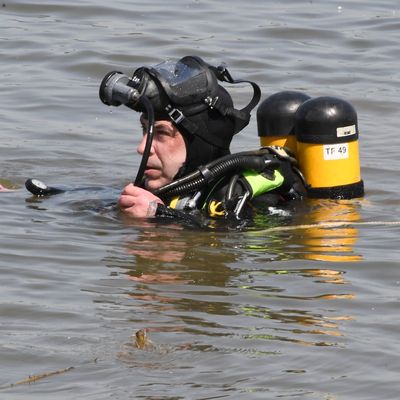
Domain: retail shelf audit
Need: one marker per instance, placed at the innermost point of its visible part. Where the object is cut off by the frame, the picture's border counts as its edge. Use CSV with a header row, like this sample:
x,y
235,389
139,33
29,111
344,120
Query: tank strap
x,y
283,153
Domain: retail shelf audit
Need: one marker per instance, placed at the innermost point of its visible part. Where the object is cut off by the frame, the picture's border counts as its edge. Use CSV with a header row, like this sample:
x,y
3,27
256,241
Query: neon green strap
x,y
260,184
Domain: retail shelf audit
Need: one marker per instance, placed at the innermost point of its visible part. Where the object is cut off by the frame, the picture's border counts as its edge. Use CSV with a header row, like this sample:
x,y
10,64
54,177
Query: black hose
x,y
197,173
257,161
231,187
150,133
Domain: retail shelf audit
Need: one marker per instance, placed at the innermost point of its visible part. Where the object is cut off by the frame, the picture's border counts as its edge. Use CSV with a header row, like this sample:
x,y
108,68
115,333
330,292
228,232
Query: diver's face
x,y
167,153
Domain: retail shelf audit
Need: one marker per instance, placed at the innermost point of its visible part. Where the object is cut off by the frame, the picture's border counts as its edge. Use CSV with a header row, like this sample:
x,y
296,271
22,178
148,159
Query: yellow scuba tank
x,y
326,130
276,117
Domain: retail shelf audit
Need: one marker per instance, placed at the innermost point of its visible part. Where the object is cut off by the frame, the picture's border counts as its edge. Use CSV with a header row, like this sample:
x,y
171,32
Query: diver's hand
x,y
138,202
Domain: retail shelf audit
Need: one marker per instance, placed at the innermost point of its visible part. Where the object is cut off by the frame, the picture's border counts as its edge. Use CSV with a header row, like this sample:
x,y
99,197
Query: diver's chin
x,y
153,184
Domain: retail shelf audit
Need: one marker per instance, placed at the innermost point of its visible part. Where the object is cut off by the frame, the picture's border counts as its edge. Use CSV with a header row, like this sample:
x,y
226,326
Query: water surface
x,y
270,311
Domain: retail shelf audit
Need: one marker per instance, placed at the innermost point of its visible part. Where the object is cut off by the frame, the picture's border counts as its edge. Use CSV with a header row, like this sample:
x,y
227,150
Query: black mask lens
x,y
115,90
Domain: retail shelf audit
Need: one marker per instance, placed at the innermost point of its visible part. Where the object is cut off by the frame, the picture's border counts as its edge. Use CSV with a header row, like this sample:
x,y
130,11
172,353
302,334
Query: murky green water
x,y
279,310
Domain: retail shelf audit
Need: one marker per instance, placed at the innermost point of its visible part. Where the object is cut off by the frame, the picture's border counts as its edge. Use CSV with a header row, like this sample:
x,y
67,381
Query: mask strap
x,y
242,117
175,114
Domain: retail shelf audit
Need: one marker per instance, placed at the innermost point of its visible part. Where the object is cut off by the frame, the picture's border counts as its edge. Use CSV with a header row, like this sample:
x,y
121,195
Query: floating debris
x,y
35,378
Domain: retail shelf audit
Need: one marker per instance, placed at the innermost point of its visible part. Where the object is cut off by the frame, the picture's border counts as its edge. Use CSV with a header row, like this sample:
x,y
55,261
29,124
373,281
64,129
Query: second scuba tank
x,y
275,119
327,148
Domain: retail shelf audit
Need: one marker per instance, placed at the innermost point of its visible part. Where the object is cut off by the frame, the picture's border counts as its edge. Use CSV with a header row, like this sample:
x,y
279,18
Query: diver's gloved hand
x,y
138,202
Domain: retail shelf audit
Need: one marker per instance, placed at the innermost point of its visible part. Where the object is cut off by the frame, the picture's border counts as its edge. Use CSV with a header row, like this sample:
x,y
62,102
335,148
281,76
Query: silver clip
x,y
176,115
241,203
211,101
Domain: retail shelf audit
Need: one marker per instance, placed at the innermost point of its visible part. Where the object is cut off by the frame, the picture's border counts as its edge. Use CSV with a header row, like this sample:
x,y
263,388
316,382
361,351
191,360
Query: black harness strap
x,y
242,117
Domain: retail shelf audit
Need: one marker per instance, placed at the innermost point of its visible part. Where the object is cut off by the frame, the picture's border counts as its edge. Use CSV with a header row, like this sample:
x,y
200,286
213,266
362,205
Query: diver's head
x,y
212,137
187,93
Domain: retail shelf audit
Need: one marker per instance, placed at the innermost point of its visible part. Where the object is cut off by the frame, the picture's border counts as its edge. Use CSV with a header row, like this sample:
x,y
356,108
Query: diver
x,y
187,172
188,120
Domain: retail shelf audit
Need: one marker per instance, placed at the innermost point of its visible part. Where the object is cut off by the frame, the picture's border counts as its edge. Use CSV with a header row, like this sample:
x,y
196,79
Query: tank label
x,y
346,131
336,151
